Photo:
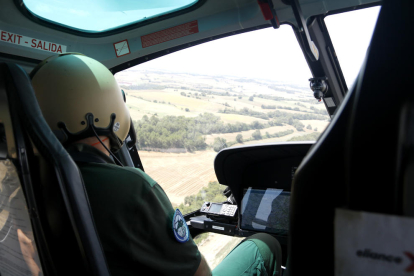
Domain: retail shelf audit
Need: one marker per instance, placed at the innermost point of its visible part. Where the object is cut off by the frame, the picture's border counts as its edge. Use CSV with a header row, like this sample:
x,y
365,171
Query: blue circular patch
x,y
180,228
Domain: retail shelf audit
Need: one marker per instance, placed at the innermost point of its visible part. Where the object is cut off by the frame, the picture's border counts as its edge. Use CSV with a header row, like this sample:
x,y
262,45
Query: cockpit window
x,y
351,34
98,16
187,106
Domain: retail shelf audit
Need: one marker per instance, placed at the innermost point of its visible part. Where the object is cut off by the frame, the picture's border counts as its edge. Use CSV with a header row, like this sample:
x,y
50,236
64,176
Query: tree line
x,y
221,143
184,132
189,133
277,114
308,137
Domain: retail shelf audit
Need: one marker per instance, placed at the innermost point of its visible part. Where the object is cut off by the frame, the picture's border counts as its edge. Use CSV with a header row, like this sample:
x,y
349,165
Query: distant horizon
x,y
163,70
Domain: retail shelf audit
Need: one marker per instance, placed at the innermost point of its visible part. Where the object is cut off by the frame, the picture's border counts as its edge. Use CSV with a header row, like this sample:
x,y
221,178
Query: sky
x,y
275,54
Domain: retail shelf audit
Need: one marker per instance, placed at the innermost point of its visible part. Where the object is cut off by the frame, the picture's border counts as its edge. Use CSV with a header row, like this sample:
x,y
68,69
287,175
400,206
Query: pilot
x,y
137,225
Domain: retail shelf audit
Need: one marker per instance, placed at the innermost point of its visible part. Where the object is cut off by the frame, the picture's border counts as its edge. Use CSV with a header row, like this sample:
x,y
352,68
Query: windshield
x,y
189,105
98,16
351,34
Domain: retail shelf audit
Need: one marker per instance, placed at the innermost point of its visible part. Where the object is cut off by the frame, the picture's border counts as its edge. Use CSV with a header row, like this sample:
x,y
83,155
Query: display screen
x,y
215,208
265,210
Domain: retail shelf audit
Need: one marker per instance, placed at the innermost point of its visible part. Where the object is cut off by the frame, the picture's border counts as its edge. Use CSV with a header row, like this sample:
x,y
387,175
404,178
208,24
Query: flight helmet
x,y
80,98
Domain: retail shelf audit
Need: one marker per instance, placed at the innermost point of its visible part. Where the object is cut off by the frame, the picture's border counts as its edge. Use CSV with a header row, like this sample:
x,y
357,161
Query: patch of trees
x,y
268,97
203,91
286,107
281,133
282,116
181,132
294,108
275,98
247,112
258,136
239,138
308,137
298,125
251,98
209,92
319,111
168,132
219,144
268,106
297,116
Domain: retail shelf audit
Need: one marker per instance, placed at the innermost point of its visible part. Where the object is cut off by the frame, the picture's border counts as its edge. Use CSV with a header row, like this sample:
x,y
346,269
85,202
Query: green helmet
x,y
79,97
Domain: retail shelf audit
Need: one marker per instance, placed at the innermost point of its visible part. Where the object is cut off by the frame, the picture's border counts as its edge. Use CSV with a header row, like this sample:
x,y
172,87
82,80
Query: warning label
x,y
32,42
169,34
122,48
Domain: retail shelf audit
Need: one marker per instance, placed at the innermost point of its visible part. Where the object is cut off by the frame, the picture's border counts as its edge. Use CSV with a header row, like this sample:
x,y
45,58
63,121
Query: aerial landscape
x,y
182,120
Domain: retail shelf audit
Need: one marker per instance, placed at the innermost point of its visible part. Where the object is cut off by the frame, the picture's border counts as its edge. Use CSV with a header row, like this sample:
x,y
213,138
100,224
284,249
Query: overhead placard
x,y
169,34
30,42
373,244
121,48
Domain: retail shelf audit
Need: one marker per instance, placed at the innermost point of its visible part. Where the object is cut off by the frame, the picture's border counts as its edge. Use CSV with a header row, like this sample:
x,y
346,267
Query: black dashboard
x,y
259,178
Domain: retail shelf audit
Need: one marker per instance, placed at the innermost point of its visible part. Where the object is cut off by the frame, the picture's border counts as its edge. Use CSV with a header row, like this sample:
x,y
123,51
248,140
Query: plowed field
x,y
180,174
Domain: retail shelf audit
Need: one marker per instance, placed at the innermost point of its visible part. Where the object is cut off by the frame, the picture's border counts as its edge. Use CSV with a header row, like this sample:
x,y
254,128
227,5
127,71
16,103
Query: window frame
x,y
63,28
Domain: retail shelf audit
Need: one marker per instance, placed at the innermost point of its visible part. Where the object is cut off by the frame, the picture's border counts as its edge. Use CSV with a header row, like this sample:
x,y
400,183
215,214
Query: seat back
x,y
62,221
360,160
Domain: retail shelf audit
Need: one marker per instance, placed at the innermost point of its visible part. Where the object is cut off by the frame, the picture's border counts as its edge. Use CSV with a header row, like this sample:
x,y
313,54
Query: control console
x,y
219,210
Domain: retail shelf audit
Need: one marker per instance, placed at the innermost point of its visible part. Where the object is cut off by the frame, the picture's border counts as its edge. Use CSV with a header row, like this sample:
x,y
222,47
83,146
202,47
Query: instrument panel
x,y
260,179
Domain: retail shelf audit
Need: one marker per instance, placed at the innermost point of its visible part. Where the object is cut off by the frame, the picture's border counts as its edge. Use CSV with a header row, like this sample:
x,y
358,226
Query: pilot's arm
x,y
203,268
137,225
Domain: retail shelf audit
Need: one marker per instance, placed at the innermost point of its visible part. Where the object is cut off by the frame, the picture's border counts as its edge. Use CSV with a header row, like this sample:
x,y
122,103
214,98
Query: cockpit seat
x,y
61,218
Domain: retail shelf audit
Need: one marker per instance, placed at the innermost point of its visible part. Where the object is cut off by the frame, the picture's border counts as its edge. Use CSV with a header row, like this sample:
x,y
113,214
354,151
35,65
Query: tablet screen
x,y
265,210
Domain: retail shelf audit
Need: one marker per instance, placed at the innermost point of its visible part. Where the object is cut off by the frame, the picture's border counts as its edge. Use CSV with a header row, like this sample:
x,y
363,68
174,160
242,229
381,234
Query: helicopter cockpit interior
x,y
340,205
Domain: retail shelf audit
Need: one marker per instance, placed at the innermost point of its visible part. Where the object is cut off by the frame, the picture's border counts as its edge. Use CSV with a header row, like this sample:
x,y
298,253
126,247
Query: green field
x,y
247,134
161,94
179,153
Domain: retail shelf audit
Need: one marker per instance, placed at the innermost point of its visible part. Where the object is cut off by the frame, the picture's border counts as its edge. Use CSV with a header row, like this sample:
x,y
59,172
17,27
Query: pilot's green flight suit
x,y
133,216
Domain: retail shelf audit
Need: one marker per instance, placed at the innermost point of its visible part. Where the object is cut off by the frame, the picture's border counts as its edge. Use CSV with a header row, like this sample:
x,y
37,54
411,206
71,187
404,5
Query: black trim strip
x,y
49,24
332,55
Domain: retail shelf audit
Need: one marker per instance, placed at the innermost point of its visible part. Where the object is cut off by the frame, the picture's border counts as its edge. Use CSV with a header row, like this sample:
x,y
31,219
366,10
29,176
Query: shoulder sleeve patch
x,y
180,228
